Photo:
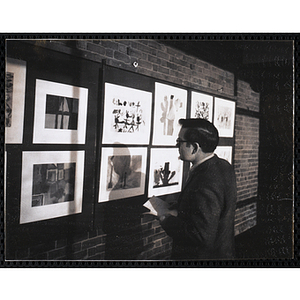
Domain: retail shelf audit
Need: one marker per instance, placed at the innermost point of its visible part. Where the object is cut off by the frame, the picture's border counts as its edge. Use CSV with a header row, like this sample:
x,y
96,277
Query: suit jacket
x,y
204,227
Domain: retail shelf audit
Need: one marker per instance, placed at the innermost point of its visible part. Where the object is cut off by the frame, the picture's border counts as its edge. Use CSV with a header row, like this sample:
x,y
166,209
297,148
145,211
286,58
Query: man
x,y
202,226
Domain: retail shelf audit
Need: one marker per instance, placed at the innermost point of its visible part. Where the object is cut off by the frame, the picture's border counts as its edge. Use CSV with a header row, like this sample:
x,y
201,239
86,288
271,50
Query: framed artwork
x,y
122,173
165,172
127,115
15,85
201,106
224,152
52,184
60,113
170,106
224,117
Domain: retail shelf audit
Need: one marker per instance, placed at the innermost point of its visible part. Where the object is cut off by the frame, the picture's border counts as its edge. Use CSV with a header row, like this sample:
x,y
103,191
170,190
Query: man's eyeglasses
x,y
179,141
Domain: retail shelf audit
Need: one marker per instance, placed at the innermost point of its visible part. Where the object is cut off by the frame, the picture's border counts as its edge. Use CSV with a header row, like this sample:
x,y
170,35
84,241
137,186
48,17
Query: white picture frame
x,y
15,87
44,131
60,198
201,106
122,173
127,115
224,152
165,165
170,106
224,117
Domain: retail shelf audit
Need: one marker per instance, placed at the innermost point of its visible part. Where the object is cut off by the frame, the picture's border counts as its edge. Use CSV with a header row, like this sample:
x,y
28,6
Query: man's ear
x,y
195,148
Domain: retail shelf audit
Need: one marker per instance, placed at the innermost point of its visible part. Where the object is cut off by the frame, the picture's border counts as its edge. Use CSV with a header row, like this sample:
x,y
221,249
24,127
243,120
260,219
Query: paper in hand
x,y
157,206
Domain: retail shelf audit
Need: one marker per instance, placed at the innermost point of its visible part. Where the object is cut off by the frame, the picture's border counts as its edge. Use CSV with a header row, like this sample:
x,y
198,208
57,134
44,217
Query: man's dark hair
x,y
202,132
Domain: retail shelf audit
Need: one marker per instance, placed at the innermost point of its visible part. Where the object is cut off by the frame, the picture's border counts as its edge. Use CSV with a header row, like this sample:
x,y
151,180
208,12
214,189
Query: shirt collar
x,y
201,161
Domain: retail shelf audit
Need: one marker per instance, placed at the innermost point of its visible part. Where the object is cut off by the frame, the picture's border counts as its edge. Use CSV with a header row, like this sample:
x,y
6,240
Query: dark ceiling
x,y
261,63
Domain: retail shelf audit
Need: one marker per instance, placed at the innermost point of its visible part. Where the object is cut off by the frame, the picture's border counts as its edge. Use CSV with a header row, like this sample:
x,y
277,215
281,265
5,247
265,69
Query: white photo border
x,y
104,194
59,136
31,214
130,94
14,134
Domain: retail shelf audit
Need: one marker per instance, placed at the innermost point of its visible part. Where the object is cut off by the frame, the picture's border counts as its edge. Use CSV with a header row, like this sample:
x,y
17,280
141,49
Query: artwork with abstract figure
x,y
53,183
163,176
201,106
169,111
165,172
170,106
224,117
127,115
122,173
61,112
8,98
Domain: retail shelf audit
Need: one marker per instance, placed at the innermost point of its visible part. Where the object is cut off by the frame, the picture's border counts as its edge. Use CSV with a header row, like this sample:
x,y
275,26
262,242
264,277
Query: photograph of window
x,y
61,112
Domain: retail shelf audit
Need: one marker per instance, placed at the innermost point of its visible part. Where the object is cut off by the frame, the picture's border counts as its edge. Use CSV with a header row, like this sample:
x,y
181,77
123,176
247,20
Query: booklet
x,y
157,206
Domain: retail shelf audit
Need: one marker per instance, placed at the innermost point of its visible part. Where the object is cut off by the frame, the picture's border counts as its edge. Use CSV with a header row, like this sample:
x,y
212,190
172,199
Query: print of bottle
x,y
171,117
164,107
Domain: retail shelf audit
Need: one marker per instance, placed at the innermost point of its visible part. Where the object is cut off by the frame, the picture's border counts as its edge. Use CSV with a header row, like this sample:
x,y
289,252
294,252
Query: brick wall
x,y
162,62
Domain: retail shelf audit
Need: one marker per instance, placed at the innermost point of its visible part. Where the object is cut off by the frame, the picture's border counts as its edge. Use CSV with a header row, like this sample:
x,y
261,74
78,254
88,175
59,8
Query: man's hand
x,y
168,214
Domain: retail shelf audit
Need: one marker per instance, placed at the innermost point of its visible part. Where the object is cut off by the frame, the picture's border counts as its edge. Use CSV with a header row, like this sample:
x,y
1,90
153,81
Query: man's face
x,y
185,151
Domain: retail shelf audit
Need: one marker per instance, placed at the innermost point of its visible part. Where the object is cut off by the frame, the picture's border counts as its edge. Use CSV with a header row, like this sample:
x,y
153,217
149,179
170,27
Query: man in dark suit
x,y
202,224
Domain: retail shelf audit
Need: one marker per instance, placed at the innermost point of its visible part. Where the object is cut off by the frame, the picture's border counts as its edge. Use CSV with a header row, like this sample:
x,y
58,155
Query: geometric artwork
x,y
224,152
170,106
52,184
60,113
201,106
14,100
165,172
224,117
127,115
122,173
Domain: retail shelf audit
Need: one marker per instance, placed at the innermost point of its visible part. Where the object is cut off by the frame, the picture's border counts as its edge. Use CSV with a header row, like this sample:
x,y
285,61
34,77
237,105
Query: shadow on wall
x,y
122,217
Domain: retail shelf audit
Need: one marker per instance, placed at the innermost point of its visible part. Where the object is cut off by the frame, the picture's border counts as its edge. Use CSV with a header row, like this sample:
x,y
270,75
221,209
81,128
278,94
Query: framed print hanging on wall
x,y
201,106
15,85
166,171
170,106
123,173
60,113
52,184
127,115
224,152
224,117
